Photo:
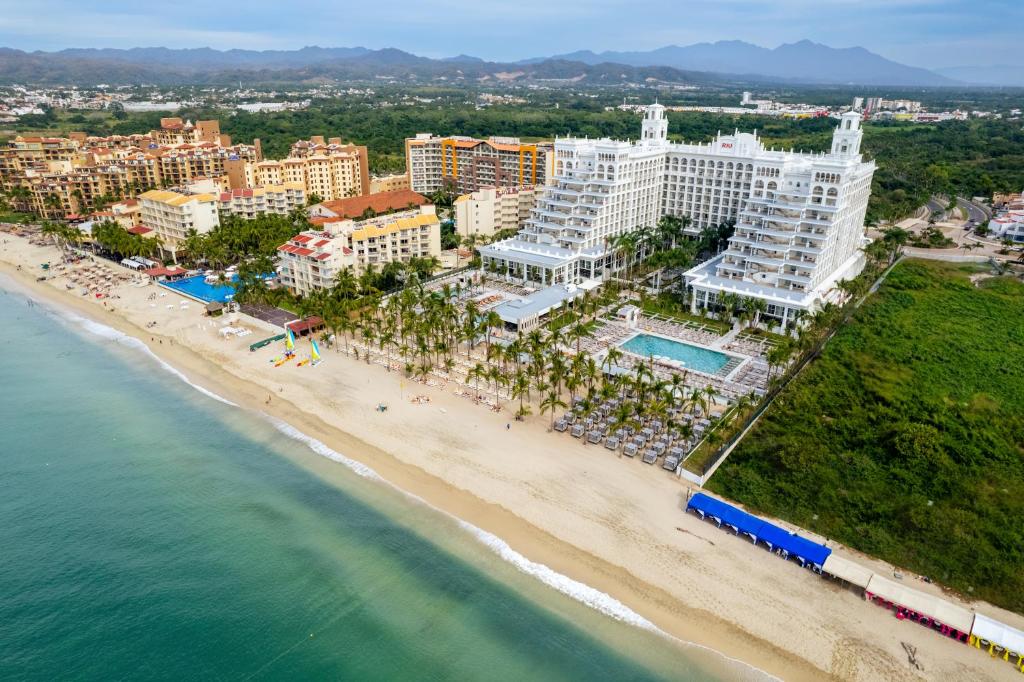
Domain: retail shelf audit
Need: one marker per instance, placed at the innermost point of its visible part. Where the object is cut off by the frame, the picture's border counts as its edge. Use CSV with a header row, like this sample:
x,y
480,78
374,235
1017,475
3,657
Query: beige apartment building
x,y
491,210
466,164
172,216
311,260
389,183
249,203
69,176
328,169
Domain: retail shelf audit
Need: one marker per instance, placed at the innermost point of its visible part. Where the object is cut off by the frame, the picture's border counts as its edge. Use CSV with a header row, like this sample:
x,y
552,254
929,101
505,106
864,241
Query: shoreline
x,y
469,512
696,622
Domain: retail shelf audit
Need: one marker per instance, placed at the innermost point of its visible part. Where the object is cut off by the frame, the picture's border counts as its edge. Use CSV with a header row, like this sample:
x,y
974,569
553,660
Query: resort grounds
x,y
611,523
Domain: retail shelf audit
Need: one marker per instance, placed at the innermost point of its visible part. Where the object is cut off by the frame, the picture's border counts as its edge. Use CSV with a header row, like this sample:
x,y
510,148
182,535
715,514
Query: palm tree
x,y
498,377
521,389
551,403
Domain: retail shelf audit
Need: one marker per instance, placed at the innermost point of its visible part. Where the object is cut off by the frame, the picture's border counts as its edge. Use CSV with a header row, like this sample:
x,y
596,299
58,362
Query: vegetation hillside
x,y
905,439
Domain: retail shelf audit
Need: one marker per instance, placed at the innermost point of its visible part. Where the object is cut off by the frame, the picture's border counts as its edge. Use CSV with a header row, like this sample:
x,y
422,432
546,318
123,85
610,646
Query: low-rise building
x,y
312,260
249,203
492,210
1008,225
389,183
367,206
127,213
173,215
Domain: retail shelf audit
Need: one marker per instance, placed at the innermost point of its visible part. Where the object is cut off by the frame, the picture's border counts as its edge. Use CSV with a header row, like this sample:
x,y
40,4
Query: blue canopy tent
x,y
787,544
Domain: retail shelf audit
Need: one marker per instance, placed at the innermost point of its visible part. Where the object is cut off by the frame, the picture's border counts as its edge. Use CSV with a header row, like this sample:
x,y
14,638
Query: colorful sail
x,y
315,355
289,342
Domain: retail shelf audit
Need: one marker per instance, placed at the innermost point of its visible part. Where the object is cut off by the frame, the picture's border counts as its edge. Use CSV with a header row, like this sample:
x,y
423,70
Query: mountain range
x,y
802,62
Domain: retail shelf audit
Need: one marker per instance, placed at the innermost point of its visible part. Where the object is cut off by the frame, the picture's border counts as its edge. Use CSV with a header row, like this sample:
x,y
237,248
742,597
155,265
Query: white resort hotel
x,y
799,216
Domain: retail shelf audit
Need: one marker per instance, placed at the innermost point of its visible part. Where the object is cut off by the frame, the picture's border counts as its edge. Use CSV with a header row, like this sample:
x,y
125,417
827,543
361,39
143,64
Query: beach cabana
x,y
844,569
778,540
310,325
928,610
170,274
793,545
998,639
214,308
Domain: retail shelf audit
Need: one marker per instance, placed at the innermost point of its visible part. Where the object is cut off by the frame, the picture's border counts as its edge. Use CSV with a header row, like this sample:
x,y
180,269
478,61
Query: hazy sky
x,y
929,33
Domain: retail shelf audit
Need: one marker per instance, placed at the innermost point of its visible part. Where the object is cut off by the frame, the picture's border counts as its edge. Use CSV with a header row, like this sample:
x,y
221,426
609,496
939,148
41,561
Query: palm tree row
x,y
423,332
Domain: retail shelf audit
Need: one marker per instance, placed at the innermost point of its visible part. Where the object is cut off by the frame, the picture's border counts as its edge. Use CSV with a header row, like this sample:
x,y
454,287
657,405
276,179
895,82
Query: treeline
x,y
903,438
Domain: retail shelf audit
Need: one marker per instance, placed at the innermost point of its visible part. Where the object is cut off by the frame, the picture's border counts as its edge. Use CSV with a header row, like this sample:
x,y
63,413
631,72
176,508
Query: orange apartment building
x,y
466,164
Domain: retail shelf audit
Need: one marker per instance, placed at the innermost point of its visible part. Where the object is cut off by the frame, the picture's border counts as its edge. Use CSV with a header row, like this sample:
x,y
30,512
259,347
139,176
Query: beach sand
x,y
614,524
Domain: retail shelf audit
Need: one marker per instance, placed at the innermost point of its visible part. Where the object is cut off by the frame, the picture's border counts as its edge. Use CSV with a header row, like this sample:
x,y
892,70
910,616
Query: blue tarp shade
x,y
758,529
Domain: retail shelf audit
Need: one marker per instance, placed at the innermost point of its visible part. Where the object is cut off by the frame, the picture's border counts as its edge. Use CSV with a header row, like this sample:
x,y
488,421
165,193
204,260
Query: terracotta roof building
x,y
355,207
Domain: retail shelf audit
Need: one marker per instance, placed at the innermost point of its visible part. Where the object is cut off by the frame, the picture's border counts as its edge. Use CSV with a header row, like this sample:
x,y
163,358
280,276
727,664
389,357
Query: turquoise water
x,y
693,357
196,287
149,531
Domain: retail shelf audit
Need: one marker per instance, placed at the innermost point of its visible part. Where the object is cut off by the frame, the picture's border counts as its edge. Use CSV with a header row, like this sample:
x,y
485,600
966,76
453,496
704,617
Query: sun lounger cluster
x,y
653,440
930,611
694,333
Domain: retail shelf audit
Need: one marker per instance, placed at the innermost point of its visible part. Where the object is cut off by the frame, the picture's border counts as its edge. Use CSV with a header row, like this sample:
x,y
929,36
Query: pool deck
x,y
186,294
742,359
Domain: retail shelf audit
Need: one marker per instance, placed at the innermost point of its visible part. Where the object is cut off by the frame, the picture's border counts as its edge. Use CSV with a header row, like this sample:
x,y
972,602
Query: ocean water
x,y
149,530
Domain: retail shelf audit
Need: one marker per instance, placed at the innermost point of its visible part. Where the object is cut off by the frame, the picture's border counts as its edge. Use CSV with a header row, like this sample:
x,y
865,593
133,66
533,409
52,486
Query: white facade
x,y
1009,225
172,215
312,259
249,203
809,207
491,210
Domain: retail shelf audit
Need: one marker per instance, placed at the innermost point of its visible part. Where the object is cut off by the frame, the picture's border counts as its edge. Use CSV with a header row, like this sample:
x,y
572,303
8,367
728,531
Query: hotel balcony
x,y
794,277
768,261
805,248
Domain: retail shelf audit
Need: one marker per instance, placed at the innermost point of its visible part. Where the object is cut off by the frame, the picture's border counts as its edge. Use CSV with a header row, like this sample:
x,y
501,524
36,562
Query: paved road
x,y
936,208
974,212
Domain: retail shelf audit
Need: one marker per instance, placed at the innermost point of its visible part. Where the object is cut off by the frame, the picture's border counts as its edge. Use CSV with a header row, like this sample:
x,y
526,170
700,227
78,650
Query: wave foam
x,y
110,334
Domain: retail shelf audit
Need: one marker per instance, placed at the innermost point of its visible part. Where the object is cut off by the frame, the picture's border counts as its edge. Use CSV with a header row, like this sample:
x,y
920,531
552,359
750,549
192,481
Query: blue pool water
x,y
693,357
196,287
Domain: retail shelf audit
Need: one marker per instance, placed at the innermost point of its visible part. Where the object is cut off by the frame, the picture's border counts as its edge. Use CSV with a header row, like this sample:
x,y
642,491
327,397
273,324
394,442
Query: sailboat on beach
x,y
315,354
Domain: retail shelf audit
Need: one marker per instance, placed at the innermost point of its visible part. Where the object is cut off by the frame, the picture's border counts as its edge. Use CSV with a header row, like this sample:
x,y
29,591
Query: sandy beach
x,y
614,524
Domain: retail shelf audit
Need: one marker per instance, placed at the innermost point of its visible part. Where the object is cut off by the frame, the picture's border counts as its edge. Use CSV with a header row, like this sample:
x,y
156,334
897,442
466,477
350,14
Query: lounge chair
x,y
570,418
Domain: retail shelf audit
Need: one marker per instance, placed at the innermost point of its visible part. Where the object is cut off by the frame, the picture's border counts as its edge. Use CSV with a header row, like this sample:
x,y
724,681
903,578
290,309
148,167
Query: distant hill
x,y
163,66
803,61
704,63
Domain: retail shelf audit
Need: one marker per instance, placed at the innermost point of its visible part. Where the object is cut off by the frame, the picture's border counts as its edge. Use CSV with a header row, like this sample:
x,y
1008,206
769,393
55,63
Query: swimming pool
x,y
196,287
692,357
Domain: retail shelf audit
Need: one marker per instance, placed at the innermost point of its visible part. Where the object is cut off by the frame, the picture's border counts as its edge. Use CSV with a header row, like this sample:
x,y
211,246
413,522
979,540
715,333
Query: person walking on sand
x,y
507,426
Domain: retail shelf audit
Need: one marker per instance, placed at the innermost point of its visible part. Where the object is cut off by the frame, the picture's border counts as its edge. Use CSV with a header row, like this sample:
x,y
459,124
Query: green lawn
x,y
905,439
